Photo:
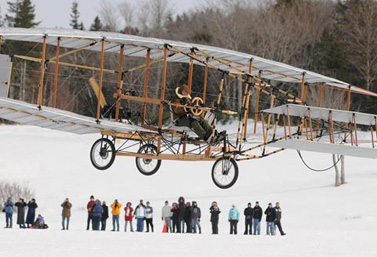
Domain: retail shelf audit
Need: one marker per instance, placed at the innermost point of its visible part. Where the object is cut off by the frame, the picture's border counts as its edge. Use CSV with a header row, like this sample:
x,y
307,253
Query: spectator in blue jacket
x,y
139,214
8,209
97,214
233,218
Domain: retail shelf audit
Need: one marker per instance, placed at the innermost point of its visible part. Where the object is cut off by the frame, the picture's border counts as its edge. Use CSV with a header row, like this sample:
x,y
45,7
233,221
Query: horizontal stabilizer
x,y
340,149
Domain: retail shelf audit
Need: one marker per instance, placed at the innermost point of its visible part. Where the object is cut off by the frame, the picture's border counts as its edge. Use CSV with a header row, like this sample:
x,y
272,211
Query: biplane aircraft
x,y
290,124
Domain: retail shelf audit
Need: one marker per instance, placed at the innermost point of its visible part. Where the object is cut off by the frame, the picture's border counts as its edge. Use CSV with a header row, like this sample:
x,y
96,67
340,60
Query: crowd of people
x,y
180,217
30,222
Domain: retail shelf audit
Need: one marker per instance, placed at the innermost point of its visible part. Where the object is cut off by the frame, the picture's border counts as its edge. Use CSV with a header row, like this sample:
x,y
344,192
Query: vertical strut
x,y
100,79
41,84
55,95
120,82
257,102
162,98
146,79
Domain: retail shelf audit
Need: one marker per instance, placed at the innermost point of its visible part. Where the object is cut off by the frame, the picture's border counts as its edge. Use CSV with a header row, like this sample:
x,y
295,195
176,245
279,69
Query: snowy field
x,y
319,220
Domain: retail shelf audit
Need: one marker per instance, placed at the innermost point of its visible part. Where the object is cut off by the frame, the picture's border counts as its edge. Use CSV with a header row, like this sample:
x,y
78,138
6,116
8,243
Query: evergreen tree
x,y
21,14
97,25
75,15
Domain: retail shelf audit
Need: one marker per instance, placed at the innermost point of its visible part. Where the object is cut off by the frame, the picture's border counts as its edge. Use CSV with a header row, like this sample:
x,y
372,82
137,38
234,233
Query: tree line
x,y
334,38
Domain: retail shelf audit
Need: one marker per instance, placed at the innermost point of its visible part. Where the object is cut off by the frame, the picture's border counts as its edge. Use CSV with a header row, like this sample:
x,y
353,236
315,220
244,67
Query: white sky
x,y
56,13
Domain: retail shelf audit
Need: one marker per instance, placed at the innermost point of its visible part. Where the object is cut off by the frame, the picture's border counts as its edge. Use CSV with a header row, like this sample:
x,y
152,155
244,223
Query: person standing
x,y
89,207
97,215
105,216
139,214
257,217
187,217
30,216
66,214
175,218
195,218
149,216
128,216
248,212
8,209
166,214
181,216
21,212
233,218
270,217
215,212
115,212
278,219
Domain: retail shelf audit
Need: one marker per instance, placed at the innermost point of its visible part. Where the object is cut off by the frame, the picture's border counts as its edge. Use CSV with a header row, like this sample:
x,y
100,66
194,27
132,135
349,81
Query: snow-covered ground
x,y
319,220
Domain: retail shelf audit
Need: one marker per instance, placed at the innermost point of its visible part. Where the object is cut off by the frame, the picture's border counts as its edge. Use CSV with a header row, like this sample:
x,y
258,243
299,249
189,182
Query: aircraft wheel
x,y
102,154
148,167
225,172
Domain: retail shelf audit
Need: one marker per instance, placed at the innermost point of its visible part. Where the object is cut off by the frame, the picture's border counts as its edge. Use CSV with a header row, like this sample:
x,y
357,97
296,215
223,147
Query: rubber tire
x,y
107,141
235,173
137,158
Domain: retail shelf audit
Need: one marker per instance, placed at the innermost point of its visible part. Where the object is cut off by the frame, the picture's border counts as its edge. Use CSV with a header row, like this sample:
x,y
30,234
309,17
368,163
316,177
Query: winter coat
x,y
270,214
97,209
105,214
257,213
90,206
178,111
277,213
66,209
20,212
182,209
166,211
128,213
139,212
195,212
116,209
214,214
148,212
39,221
234,214
31,212
248,212
8,207
175,211
188,214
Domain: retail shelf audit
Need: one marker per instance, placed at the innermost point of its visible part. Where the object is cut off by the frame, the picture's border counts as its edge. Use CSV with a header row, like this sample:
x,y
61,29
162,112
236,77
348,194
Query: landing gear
x,y
225,172
102,154
148,167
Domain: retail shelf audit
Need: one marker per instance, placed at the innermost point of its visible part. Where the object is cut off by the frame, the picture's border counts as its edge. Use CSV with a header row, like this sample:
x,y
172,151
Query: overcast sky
x,y
56,13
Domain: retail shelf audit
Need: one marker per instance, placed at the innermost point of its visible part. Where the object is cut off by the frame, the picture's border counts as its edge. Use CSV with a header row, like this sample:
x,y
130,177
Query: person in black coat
x,y
105,215
270,218
187,217
21,213
182,209
215,213
248,212
30,217
257,217
278,219
175,218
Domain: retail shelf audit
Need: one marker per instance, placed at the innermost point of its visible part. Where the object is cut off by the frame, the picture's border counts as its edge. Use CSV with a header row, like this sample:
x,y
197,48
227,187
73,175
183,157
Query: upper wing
x,y
52,118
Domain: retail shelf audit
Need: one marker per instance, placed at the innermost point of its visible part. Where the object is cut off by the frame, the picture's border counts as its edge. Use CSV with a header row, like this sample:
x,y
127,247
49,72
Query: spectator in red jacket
x,y
89,207
128,210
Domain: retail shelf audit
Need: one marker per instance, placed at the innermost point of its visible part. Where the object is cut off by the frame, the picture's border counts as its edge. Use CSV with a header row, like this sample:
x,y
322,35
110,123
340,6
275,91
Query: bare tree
x,y
358,24
109,16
